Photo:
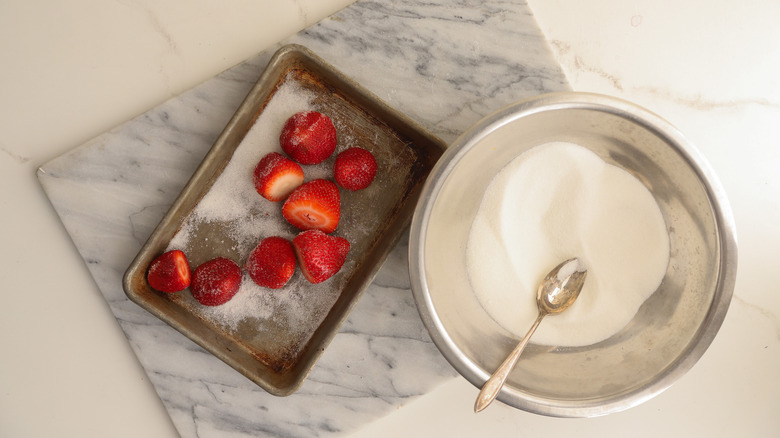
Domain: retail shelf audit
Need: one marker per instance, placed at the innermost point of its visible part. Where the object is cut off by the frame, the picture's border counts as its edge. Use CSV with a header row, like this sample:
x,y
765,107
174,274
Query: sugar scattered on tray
x,y
233,206
232,218
234,190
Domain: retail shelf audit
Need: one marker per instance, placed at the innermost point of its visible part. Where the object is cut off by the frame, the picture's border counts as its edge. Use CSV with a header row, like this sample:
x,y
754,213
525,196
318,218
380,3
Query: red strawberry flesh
x,y
355,168
320,255
272,262
308,137
216,281
276,176
169,272
315,205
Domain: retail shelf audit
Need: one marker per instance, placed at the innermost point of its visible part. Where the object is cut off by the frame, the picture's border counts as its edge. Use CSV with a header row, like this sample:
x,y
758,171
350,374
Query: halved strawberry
x,y
355,168
276,176
314,205
169,272
320,255
272,262
308,137
216,281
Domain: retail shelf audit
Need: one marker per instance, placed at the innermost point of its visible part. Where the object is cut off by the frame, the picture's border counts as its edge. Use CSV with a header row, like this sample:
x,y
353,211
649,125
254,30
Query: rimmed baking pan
x,y
274,337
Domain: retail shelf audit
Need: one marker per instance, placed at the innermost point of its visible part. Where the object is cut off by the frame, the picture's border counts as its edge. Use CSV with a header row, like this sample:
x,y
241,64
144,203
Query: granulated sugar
x,y
232,218
233,199
554,202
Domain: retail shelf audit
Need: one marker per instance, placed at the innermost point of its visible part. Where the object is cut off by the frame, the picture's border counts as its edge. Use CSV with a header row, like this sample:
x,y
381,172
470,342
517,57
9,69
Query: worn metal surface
x,y
670,331
276,357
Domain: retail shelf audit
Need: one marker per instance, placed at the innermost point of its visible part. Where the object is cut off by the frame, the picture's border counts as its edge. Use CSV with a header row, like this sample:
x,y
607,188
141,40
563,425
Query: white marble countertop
x,y
71,72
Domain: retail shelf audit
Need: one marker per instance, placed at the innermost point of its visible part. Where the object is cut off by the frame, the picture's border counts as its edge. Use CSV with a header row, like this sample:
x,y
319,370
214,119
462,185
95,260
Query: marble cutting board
x,y
443,63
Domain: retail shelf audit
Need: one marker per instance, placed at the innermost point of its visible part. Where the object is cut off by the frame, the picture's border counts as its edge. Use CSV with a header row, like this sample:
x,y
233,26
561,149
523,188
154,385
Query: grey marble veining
x,y
445,64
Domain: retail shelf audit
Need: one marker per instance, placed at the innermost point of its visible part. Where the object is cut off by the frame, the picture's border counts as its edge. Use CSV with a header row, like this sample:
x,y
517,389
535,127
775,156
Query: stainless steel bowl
x,y
671,330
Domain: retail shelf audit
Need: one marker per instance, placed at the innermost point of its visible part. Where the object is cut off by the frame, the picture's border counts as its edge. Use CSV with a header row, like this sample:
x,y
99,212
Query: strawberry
x,y
354,169
272,262
216,281
276,176
320,255
169,272
314,205
308,137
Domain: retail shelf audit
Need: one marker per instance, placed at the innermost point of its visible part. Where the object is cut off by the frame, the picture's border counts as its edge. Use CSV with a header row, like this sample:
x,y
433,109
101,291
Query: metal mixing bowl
x,y
671,330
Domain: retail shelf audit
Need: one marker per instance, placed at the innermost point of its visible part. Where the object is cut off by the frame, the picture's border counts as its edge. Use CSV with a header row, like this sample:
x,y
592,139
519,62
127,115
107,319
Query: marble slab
x,y
443,63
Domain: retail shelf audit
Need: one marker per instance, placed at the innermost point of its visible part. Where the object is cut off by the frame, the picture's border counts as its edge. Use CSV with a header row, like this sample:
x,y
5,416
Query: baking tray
x,y
268,343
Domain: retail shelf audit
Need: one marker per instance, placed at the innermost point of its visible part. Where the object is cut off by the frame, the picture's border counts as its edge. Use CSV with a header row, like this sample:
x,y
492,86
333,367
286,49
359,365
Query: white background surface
x,y
72,70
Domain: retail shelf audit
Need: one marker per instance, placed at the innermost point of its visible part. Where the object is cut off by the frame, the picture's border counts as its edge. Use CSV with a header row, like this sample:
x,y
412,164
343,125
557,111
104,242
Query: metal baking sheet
x,y
275,352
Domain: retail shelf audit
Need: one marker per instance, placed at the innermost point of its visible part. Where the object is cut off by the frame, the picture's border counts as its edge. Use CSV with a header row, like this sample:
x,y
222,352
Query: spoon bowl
x,y
556,293
561,287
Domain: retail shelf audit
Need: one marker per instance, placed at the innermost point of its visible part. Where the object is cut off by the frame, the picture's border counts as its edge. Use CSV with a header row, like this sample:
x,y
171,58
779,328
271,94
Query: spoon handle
x,y
493,385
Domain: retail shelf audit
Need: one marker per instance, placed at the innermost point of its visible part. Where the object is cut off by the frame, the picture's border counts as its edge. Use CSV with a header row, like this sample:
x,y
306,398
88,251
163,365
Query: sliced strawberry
x,y
308,137
355,168
316,205
169,272
320,255
272,262
276,176
216,281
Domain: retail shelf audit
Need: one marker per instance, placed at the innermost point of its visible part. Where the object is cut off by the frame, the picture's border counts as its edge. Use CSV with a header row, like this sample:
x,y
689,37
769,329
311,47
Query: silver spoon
x,y
556,293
